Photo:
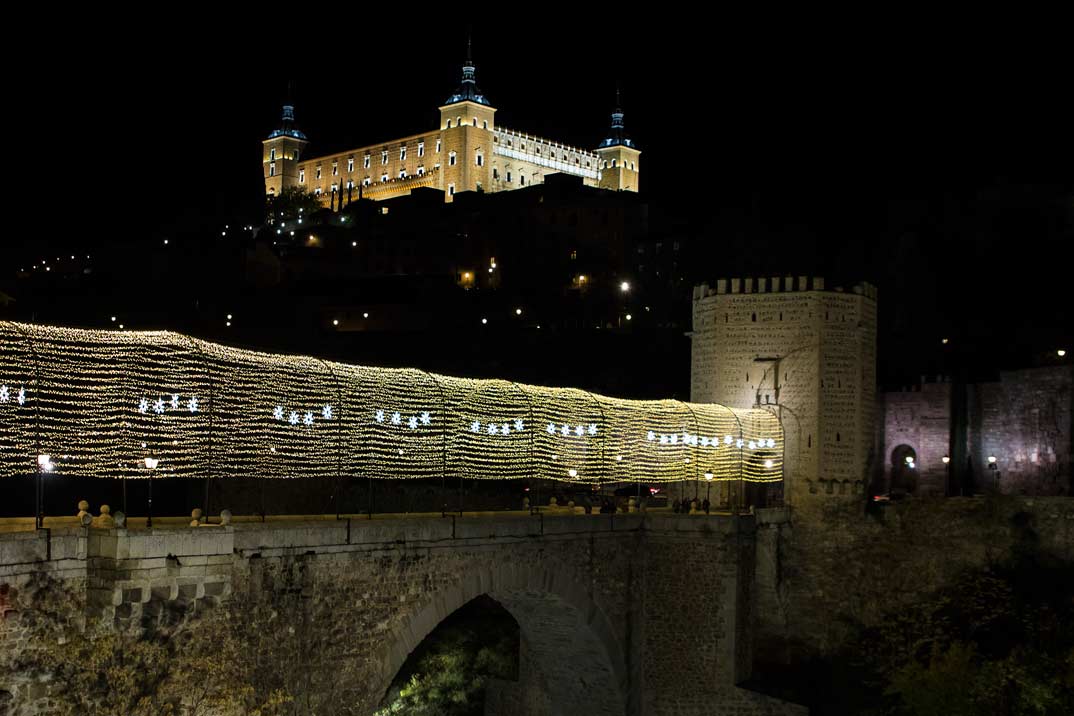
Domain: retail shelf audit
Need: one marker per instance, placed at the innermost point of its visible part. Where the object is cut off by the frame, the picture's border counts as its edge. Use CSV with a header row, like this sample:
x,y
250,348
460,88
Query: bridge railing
x,y
99,402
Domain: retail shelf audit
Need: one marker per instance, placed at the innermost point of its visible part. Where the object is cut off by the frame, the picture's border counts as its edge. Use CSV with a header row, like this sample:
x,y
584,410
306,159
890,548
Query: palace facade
x,y
468,152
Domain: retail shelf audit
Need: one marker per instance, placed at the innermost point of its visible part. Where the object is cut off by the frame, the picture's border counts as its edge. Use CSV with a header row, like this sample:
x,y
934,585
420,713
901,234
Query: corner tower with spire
x,y
619,156
282,152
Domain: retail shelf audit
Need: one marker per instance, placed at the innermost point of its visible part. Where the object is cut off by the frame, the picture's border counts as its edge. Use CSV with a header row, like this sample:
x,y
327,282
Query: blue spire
x,y
468,90
287,125
617,137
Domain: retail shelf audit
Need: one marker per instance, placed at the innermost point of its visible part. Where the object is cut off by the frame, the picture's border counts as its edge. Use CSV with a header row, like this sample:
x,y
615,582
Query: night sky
x,y
933,156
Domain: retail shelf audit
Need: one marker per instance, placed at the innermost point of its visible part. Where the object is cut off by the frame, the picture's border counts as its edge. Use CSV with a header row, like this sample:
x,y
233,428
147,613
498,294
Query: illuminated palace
x,y
467,153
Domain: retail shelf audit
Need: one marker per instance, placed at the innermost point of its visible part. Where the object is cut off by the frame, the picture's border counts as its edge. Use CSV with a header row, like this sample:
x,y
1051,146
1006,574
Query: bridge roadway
x,y
643,613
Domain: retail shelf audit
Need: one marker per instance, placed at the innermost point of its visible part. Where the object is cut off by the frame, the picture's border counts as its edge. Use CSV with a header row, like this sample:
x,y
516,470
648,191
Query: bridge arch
x,y
567,636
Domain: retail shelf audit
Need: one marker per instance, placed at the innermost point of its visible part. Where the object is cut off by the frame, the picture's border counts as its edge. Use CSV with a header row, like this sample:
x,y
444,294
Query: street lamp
x,y
151,465
708,486
624,286
995,469
44,464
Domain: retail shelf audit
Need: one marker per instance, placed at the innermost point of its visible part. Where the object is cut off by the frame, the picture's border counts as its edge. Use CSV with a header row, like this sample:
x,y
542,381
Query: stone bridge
x,y
618,614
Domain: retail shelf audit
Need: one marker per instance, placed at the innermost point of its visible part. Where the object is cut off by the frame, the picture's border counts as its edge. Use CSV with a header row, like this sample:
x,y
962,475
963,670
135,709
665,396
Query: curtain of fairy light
x,y
100,402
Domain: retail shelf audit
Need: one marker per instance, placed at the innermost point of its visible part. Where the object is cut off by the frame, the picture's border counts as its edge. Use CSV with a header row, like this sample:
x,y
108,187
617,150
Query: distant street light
x,y
624,286
151,465
1061,353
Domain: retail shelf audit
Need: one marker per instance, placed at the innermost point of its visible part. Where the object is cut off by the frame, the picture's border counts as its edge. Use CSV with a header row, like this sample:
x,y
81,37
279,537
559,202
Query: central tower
x,y
467,120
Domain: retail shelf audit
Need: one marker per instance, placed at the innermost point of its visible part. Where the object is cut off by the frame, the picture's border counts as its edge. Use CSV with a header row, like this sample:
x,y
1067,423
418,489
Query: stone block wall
x,y
807,352
1024,421
918,419
822,575
620,614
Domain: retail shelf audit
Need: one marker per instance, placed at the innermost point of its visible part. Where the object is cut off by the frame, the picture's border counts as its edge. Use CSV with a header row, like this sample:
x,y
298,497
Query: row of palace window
x,y
367,181
615,164
458,123
479,160
272,155
496,175
552,155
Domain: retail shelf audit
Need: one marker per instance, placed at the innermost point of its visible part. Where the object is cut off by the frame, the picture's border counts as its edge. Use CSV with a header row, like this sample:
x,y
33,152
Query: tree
x,y
291,204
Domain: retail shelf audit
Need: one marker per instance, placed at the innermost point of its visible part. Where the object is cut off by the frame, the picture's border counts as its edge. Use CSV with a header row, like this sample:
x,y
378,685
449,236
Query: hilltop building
x,y
468,152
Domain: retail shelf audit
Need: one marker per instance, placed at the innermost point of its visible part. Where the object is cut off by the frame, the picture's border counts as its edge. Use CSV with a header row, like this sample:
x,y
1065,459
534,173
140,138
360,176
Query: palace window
x,y
632,166
495,173
451,159
272,154
480,159
613,163
365,162
437,146
451,189
402,153
521,180
335,169
318,191
449,124
384,177
485,124
272,169
367,181
421,149
475,121
384,157
295,155
301,176
402,173
350,164
318,171
421,170
508,175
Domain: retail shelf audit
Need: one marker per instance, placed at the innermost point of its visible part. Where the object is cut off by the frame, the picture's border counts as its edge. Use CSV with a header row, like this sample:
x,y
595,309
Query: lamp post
x,y
708,487
947,475
151,465
44,464
995,472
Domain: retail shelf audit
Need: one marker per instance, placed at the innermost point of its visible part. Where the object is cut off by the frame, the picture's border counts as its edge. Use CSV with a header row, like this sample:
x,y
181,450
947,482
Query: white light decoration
x,y
175,401
412,422
727,440
158,406
491,429
752,445
21,397
704,441
5,393
572,473
769,464
739,443
326,412
88,386
397,419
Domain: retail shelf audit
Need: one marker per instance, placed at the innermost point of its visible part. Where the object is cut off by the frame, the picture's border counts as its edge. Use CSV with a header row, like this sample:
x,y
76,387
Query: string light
x,y
109,398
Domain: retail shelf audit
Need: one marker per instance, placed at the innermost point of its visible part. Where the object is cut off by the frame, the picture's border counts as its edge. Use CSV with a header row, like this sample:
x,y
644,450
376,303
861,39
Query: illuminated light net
x,y
99,402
